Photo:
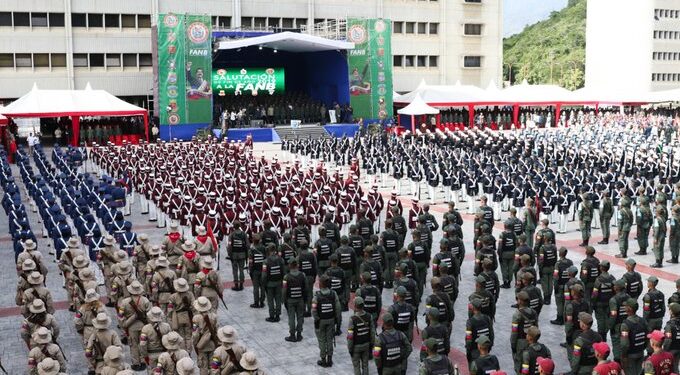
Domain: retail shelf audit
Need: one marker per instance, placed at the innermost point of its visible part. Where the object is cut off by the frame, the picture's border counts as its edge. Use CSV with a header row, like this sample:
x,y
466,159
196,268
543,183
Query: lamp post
x,y
509,73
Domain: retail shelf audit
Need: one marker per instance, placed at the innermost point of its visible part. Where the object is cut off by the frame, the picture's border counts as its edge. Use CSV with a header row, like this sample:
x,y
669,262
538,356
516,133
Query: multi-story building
x,y
67,43
633,45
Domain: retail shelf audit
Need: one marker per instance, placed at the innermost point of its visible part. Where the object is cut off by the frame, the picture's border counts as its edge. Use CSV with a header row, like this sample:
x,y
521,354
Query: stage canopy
x,y
443,95
288,41
418,107
74,104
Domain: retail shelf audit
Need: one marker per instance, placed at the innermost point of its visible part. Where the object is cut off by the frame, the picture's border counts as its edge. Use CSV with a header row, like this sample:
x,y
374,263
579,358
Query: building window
x,y
434,61
129,60
422,28
247,22
6,60
95,20
80,60
96,60
301,22
128,21
410,27
473,29
319,20
224,22
78,20
41,60
58,60
6,20
112,60
422,61
23,60
287,23
408,61
112,20
434,28
473,1
274,22
144,59
39,19
472,61
653,77
144,21
260,22
21,19
398,61
397,27
56,19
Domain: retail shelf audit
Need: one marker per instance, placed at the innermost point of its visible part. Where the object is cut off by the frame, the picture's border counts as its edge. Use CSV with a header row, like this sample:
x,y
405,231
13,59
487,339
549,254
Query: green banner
x,y
184,66
370,67
248,81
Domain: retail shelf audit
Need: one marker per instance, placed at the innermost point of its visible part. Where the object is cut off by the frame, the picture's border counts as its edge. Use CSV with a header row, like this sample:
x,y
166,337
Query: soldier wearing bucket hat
x,y
180,310
154,253
167,360
44,348
87,313
131,318
99,341
208,283
141,256
150,338
162,283
37,290
186,366
204,335
226,358
106,259
250,364
189,264
38,317
48,366
123,278
114,361
173,243
30,251
27,267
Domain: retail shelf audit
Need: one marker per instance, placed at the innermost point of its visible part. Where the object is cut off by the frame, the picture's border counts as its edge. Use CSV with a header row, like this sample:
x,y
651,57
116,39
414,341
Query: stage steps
x,y
301,132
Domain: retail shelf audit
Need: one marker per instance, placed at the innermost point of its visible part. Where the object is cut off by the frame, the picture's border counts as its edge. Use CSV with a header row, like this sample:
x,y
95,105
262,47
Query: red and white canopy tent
x,y
74,104
417,107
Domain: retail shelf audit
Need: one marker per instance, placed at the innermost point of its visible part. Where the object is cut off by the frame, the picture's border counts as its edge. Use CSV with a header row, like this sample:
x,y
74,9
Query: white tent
x,y
526,94
444,96
418,107
74,104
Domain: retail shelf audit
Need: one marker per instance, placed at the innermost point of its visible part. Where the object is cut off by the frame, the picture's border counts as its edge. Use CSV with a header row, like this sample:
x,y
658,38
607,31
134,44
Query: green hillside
x,y
558,42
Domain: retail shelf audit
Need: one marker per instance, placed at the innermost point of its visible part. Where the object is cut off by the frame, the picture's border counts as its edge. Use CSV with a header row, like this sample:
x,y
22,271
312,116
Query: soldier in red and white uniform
x,y
394,197
211,204
268,201
243,205
186,211
343,212
228,218
317,183
199,218
297,201
287,212
326,199
215,224
277,220
413,213
257,218
175,205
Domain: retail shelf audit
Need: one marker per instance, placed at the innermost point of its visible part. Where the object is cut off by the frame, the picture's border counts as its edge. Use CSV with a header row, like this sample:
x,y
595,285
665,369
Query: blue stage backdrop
x,y
321,75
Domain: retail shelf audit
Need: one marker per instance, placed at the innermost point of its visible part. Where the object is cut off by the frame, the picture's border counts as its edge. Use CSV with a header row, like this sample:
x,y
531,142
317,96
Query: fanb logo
x,y
170,20
198,32
357,34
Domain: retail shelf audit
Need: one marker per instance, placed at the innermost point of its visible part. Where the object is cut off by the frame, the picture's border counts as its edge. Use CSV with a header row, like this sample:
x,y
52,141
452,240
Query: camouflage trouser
x,y
601,315
295,309
325,335
506,268
530,237
658,248
390,264
623,242
585,230
547,283
674,244
606,226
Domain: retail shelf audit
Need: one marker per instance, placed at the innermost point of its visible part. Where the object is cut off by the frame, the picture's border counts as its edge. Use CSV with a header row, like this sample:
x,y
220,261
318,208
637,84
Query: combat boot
x,y
604,241
673,260
657,264
641,252
329,361
291,338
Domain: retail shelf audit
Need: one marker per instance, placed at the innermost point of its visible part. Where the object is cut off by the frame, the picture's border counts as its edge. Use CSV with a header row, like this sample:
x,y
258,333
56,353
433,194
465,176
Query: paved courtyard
x,y
267,339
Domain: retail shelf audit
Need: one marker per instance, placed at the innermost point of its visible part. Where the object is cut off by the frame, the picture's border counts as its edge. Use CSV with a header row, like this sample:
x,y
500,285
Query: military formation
x,y
315,243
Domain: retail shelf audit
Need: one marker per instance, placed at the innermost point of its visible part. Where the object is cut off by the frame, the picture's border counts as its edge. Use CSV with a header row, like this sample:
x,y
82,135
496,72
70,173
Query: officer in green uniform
x,y
603,291
633,279
294,298
672,330
404,313
624,222
308,266
590,270
391,349
437,331
674,235
435,363
583,359
633,339
360,335
561,276
645,219
338,283
572,309
617,314
585,217
523,319
507,243
256,257
533,351
659,237
488,303
327,315
653,305
420,254
478,325
348,262
390,240
485,363
371,296
547,258
606,212
529,222
522,249
272,278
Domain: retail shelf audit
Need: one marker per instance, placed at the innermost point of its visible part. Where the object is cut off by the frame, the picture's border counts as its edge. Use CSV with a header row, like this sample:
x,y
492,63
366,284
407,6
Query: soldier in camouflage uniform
x,y
645,219
585,218
659,237
653,305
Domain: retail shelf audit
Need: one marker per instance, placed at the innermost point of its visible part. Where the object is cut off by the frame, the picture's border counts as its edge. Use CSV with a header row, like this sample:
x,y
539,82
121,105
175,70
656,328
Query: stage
x,y
276,135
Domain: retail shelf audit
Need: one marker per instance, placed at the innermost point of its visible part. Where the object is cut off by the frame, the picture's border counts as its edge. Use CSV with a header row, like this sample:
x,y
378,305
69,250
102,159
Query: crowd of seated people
x,y
113,129
239,111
